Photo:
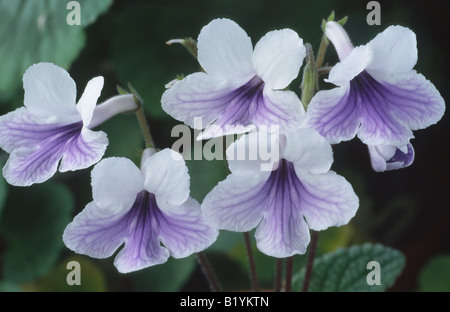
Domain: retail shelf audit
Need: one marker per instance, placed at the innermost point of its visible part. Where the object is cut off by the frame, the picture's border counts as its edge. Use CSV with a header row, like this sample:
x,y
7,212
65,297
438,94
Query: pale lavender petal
x,y
237,203
83,150
412,99
388,157
95,233
22,129
380,113
183,230
324,200
334,114
283,231
197,95
35,164
142,236
253,104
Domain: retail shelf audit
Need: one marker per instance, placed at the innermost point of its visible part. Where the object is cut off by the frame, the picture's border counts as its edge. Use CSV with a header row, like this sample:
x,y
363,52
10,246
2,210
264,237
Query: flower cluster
x,y
147,211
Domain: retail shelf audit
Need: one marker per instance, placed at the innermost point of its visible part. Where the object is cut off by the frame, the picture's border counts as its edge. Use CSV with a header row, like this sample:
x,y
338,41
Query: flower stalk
x,y
140,114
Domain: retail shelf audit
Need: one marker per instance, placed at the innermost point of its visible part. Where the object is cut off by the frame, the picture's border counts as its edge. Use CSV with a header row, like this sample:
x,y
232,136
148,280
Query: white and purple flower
x,y
52,127
241,87
299,194
389,157
140,209
379,98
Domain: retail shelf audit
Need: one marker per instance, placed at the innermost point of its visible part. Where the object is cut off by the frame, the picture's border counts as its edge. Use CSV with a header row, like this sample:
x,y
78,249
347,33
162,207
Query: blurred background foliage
x,y
124,41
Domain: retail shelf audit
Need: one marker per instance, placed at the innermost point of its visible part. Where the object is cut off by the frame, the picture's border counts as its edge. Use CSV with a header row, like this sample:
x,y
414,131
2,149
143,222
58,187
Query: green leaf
x,y
346,269
32,226
169,276
34,31
435,275
91,277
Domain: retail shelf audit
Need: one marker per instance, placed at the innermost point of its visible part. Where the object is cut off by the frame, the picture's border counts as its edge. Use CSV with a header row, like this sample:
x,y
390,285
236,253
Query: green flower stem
x,y
310,260
140,114
251,262
321,52
208,272
289,271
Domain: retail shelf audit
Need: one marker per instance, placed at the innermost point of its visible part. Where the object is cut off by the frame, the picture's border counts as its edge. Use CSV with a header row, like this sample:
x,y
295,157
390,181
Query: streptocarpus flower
x,y
140,209
379,98
52,127
389,157
241,87
301,193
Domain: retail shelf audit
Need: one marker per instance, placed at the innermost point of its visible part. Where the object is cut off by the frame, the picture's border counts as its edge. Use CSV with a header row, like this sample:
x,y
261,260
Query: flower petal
x,y
393,51
166,175
94,233
142,241
389,157
84,150
225,50
334,114
350,67
88,100
283,231
413,99
278,57
115,183
308,150
36,164
183,230
50,93
281,108
326,200
197,95
253,153
237,203
20,128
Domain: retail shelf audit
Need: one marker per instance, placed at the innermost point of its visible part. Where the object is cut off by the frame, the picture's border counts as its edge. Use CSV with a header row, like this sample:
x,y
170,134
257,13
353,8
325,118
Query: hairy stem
x,y
310,260
278,272
140,114
208,272
251,262
289,270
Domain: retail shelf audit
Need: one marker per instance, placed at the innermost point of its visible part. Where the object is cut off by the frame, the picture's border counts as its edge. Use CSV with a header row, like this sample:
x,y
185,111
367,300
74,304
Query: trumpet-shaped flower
x,y
52,127
379,98
300,193
389,157
140,209
241,87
